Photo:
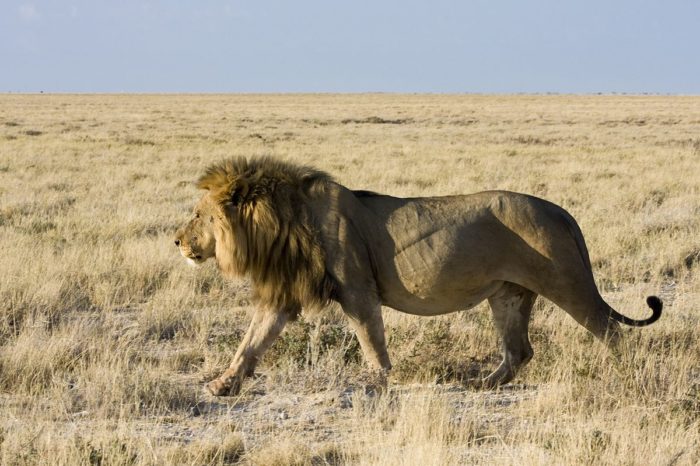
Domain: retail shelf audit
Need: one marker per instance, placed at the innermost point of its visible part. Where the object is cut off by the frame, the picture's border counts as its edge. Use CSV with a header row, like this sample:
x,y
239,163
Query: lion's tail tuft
x,y
656,305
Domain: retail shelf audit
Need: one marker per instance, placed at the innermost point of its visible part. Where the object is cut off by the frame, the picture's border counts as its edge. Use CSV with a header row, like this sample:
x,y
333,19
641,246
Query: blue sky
x,y
477,46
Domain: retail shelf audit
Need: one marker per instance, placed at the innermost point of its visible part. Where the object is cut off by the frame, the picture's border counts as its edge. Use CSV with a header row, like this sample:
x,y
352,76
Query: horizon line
x,y
330,93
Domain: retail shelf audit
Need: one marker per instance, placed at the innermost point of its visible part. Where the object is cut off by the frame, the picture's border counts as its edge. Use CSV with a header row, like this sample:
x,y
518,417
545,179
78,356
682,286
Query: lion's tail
x,y
653,302
577,235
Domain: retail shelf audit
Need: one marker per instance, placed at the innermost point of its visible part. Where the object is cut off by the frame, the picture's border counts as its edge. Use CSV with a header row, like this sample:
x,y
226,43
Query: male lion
x,y
305,240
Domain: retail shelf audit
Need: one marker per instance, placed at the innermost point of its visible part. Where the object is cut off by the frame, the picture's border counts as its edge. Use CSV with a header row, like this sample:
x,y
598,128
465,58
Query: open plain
x,y
107,336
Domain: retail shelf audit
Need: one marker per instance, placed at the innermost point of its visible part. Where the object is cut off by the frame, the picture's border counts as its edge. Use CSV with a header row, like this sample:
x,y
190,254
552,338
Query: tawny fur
x,y
304,240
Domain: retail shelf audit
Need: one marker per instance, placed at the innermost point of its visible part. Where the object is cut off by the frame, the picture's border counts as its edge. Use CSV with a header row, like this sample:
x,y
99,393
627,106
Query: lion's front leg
x,y
263,330
366,319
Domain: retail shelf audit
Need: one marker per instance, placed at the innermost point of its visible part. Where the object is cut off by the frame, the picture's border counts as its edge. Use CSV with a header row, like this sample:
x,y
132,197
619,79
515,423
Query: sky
x,y
436,46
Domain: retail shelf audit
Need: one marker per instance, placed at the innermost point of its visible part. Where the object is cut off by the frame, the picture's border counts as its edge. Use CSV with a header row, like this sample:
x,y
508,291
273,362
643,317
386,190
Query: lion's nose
x,y
177,242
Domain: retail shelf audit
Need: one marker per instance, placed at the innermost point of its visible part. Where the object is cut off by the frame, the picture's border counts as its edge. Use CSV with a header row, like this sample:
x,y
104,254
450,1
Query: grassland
x,y
106,336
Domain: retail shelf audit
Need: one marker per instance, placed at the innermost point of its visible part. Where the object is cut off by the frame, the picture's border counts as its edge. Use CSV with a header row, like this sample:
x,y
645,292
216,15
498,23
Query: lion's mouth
x,y
193,259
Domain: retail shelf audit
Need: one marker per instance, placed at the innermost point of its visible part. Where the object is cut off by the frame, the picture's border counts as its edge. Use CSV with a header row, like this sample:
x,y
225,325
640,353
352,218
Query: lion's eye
x,y
194,238
196,215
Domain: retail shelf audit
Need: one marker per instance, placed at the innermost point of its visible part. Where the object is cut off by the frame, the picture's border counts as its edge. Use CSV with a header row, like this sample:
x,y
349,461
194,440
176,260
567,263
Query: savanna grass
x,y
106,336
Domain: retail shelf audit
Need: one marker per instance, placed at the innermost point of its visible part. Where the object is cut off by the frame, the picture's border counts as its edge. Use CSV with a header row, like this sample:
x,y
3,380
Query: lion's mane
x,y
267,231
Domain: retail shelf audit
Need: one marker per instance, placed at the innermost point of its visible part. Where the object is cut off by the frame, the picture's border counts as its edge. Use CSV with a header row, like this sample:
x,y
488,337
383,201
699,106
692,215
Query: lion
x,y
305,240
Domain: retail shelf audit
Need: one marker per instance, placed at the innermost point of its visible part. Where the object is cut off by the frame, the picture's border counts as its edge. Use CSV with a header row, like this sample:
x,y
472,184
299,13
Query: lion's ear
x,y
223,186
215,179
232,194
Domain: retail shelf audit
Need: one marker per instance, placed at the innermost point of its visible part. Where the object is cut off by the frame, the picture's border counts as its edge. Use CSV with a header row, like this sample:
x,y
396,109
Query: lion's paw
x,y
218,387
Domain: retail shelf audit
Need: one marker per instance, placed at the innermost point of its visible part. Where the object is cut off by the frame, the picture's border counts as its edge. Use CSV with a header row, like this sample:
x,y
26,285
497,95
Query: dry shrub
x,y
228,450
292,452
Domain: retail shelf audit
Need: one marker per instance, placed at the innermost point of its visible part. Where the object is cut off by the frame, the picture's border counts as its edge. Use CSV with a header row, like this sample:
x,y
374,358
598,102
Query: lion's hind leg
x,y
511,306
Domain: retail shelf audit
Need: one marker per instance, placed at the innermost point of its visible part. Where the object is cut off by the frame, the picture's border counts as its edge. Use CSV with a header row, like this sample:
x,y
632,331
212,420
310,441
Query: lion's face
x,y
196,239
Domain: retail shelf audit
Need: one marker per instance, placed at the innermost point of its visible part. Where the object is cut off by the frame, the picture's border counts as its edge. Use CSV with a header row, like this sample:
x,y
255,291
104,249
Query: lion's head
x,y
196,239
255,220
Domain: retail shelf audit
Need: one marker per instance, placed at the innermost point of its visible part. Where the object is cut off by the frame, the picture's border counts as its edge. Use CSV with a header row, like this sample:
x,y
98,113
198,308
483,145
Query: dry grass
x,y
106,336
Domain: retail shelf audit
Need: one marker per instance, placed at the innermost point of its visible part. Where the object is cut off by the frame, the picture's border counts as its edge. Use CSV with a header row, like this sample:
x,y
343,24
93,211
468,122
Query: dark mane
x,y
363,193
269,234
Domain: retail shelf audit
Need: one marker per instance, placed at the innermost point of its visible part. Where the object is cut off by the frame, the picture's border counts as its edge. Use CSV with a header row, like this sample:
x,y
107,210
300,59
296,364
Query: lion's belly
x,y
438,300
424,280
